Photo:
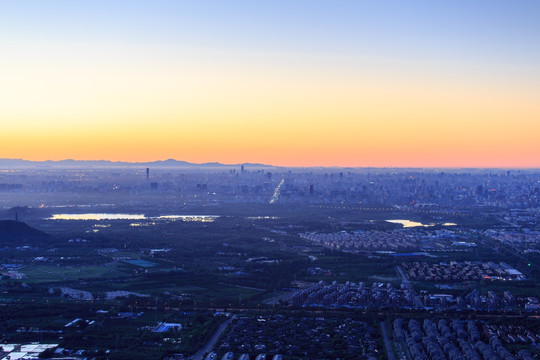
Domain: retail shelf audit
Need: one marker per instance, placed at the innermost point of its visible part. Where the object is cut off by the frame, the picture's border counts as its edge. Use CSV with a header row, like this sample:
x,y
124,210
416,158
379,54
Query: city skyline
x,y
354,84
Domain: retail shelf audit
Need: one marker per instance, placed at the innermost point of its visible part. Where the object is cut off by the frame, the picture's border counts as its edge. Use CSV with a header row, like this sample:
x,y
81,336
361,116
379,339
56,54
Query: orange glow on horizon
x,y
276,114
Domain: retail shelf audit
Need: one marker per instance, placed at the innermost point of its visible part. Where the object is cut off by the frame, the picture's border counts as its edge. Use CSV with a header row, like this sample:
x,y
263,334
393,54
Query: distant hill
x,y
70,163
13,233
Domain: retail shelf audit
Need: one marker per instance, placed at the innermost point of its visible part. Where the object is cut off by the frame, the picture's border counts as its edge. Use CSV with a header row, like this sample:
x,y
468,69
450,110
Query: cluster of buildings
x,y
258,183
452,340
76,294
230,356
517,241
416,187
381,295
411,238
34,351
475,300
11,271
524,217
366,240
288,336
492,301
71,293
511,334
24,351
353,295
461,271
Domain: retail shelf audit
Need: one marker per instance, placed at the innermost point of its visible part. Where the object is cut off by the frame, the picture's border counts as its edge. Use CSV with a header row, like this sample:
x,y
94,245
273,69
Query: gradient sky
x,y
294,83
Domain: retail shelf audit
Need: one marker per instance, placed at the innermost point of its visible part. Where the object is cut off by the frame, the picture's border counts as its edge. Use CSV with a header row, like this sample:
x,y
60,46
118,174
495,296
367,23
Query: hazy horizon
x,y
135,162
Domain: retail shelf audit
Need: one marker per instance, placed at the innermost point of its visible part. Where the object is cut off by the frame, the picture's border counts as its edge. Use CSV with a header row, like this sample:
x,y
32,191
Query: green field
x,y
48,273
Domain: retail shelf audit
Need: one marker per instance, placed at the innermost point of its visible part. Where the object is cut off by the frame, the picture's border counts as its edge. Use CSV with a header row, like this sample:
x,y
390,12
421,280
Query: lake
x,y
409,223
120,216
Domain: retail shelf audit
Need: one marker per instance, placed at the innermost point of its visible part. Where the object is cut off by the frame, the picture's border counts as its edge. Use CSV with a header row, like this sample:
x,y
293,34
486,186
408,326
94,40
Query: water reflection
x,y
116,216
97,216
409,223
198,218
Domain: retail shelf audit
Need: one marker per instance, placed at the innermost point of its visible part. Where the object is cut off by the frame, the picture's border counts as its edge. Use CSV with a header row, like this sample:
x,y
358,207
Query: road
x,y
209,346
387,342
283,297
277,191
407,283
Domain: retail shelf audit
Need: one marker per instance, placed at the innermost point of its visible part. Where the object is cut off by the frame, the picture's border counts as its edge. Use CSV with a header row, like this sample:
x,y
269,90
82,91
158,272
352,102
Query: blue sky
x,y
469,31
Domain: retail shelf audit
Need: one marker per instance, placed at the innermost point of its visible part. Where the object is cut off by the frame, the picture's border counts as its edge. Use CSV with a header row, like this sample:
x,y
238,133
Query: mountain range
x,y
70,163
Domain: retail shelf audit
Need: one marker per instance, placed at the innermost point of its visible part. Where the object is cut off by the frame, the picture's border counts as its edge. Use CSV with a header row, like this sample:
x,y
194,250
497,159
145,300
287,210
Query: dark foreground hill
x,y
12,233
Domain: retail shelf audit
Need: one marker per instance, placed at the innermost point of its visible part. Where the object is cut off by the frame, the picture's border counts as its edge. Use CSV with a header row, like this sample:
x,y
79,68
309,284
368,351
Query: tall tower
x,y
147,173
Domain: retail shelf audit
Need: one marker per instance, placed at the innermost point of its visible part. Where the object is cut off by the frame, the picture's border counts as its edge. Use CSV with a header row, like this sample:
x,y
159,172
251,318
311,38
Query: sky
x,y
291,83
